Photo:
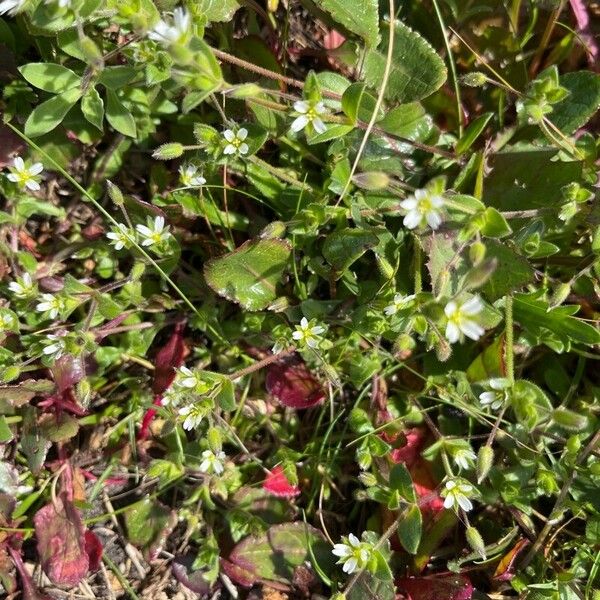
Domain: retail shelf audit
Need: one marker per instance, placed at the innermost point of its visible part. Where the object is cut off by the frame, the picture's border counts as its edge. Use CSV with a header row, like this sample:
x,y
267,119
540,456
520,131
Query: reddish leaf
x,y
277,484
93,548
436,587
410,453
28,588
290,381
167,359
194,580
67,371
238,574
583,24
61,543
505,569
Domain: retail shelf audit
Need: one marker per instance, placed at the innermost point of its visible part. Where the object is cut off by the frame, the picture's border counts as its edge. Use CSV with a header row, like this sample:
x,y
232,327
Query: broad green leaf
x,y
333,132
410,121
410,529
512,272
580,105
495,225
118,116
209,75
401,481
358,16
92,108
217,10
530,178
343,247
49,114
359,104
490,363
116,77
417,70
58,428
472,132
374,586
50,77
275,554
249,275
148,524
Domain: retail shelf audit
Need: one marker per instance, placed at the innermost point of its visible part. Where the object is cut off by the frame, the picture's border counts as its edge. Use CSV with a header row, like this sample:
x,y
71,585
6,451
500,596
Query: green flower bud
x,y
168,151
476,541
384,266
485,459
373,180
569,419
114,193
90,50
477,253
276,229
367,479
279,304
10,373
560,294
215,439
474,79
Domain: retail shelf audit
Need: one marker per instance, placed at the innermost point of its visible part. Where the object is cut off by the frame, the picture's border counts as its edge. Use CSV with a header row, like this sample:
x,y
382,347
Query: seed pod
x,y
476,541
114,193
215,439
168,151
560,294
569,419
384,266
485,459
276,229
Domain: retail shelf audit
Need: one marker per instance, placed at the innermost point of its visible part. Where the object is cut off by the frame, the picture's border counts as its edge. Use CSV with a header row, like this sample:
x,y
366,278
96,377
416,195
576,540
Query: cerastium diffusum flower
x,y
154,233
353,554
308,333
309,113
460,319
11,7
498,393
51,305
423,208
25,177
190,177
23,287
121,236
235,143
54,345
457,493
172,31
464,458
213,463
398,303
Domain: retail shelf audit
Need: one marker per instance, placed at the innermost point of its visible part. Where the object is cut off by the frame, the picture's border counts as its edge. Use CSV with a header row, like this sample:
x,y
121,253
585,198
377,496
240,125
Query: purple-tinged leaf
x,y
290,381
436,587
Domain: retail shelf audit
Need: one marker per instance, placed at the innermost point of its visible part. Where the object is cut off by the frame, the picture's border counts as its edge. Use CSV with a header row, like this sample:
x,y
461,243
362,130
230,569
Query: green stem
x,y
418,260
509,333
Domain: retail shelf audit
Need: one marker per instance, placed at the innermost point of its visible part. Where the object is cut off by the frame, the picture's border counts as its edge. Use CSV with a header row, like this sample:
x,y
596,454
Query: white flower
x,y
193,416
498,394
189,176
398,303
22,287
121,236
460,321
308,333
457,494
423,209
309,112
55,346
11,7
25,177
6,320
155,232
236,144
464,458
213,463
50,304
191,380
353,554
175,31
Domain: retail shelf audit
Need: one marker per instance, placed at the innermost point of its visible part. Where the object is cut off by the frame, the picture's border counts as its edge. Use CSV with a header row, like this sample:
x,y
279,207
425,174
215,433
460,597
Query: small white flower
x,y
25,177
497,395
235,141
189,176
55,346
307,333
423,208
460,319
22,287
51,305
121,236
309,112
464,458
175,31
6,320
398,303
155,232
191,380
11,7
457,493
213,463
353,554
193,416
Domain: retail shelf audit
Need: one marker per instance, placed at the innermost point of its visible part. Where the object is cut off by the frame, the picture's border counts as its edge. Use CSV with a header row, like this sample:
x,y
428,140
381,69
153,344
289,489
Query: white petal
x,y
452,332
304,322
434,220
297,335
421,194
341,550
301,106
472,306
34,186
499,383
471,329
36,168
319,108
449,501
437,201
19,163
317,330
450,308
242,134
412,219
350,565
354,541
410,203
487,397
319,125
464,503
143,230
300,123
229,135
159,223
243,149
12,177
229,149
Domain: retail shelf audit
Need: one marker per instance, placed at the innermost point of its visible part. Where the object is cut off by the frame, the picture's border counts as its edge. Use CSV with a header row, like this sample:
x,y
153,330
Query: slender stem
x,y
509,341
261,363
418,259
455,82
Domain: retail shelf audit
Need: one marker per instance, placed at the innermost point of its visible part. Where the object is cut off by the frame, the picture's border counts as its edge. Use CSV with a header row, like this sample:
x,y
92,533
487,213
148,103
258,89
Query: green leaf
x,y
58,428
118,116
249,275
217,10
50,114
410,121
148,524
115,78
359,104
92,108
374,586
512,272
472,132
417,71
490,363
50,77
276,554
333,132
343,247
495,225
581,104
208,74
358,16
401,481
410,529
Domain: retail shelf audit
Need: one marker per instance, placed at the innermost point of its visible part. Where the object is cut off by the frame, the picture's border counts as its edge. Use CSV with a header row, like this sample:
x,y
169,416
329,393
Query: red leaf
x,y
505,569
28,588
277,484
167,359
410,453
436,587
67,371
93,548
238,574
290,381
60,542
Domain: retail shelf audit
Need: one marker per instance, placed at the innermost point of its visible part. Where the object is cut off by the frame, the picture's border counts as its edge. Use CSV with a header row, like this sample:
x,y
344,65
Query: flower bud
x,y
90,50
114,193
474,79
373,180
367,479
384,266
569,419
10,373
485,459
276,229
476,541
215,439
477,253
560,294
168,151
279,304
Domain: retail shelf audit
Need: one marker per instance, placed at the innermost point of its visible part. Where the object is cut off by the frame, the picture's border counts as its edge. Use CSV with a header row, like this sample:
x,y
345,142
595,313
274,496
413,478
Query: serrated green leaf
x,y
410,529
343,247
50,114
249,275
92,108
50,77
417,70
580,105
358,16
217,10
118,116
